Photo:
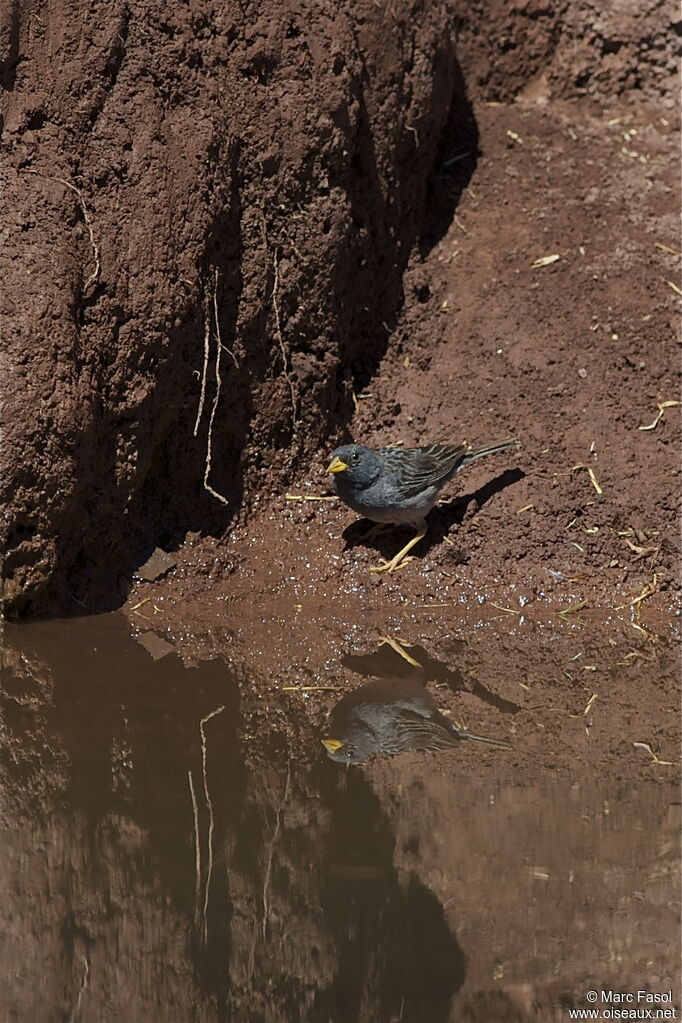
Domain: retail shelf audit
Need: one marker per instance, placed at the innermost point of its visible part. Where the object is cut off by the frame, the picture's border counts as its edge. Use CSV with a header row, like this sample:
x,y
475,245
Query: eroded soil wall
x,y
209,215
175,175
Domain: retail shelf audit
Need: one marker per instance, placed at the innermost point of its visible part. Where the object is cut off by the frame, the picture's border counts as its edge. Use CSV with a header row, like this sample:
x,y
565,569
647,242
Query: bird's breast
x,y
379,504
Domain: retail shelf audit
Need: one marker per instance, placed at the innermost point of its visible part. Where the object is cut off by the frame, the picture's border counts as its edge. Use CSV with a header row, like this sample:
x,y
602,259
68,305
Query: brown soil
x,y
304,156
396,287
572,358
175,177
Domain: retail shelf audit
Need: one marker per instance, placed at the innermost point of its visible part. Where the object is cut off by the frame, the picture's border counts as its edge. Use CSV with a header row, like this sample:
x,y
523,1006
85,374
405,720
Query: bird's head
x,y
356,464
352,749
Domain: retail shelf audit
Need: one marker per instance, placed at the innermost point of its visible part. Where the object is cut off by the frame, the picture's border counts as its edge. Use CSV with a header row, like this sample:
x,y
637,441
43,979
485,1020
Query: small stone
x,y
156,566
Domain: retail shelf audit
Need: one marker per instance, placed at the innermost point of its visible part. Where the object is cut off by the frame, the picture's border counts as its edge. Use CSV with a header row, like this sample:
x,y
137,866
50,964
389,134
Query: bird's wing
x,y
415,732
419,469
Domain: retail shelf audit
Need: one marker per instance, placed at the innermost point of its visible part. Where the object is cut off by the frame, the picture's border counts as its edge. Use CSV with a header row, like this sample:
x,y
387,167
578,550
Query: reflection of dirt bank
x,y
188,876
554,888
241,877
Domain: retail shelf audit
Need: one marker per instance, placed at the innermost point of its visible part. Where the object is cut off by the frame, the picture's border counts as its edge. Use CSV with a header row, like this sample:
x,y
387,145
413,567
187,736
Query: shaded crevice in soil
x,y
454,168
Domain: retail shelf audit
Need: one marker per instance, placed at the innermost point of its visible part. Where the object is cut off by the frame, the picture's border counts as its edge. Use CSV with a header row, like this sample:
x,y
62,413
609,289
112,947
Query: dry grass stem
x,y
305,497
666,248
310,689
545,261
507,610
572,608
641,552
593,479
590,704
632,656
661,406
647,747
647,591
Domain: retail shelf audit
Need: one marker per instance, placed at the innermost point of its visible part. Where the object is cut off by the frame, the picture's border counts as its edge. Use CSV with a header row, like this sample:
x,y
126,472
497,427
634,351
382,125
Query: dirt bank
x,y
179,178
403,245
176,178
576,357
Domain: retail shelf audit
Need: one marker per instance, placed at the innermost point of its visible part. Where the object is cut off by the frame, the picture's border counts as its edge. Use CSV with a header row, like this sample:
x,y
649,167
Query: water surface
x,y
165,856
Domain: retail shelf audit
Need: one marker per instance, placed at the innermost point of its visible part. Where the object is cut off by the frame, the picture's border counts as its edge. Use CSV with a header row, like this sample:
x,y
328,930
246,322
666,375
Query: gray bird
x,y
401,485
391,716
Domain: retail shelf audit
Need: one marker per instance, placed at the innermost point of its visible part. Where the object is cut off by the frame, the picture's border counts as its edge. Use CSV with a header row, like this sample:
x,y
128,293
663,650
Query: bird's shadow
x,y
440,520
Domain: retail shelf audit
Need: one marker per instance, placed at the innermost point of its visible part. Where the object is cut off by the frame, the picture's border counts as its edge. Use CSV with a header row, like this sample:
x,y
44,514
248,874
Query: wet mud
x,y
177,840
488,248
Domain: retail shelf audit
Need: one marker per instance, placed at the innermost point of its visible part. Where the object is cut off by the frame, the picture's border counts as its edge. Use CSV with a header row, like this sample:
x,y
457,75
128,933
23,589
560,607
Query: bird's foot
x,y
393,565
400,558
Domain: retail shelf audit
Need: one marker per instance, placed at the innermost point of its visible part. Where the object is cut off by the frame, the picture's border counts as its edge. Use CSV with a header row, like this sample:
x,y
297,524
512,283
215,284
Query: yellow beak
x,y
332,745
336,465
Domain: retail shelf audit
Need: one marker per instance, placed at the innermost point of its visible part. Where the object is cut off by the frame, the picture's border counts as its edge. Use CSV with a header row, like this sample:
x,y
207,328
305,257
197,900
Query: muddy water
x,y
167,857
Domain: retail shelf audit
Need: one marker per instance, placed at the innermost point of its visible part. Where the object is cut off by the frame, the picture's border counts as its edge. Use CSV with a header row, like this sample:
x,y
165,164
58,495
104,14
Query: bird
x,y
390,716
400,486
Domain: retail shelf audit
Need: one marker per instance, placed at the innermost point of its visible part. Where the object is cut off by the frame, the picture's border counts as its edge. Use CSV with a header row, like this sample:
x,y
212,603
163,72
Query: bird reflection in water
x,y
392,715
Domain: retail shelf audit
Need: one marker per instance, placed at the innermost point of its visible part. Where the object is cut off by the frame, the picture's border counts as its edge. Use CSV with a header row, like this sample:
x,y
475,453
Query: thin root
x,y
94,276
216,398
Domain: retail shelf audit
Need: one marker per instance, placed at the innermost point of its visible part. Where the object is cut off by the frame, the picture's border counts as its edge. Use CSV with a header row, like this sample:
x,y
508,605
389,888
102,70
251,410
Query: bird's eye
x,y
349,754
355,456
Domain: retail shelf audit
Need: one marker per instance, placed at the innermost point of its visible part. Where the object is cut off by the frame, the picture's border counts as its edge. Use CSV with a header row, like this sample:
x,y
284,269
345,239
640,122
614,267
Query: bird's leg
x,y
399,560
373,531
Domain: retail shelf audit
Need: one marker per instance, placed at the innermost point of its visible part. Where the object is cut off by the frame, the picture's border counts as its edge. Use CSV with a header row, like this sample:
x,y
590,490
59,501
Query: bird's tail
x,y
490,449
461,733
